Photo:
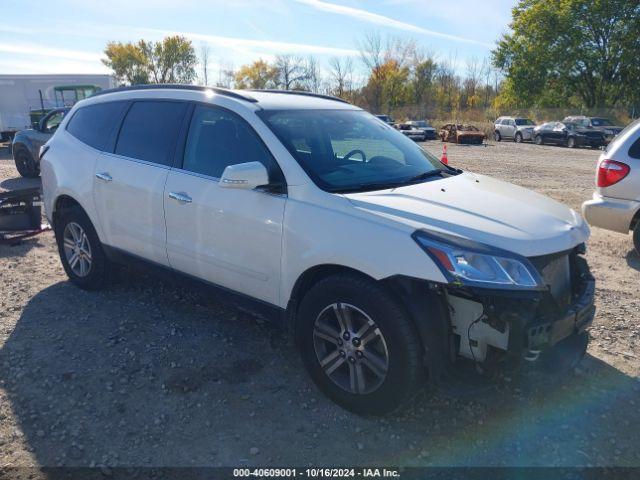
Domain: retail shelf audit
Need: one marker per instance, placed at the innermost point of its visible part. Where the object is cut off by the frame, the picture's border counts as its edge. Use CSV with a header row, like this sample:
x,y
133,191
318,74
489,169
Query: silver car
x,y
26,144
513,128
616,201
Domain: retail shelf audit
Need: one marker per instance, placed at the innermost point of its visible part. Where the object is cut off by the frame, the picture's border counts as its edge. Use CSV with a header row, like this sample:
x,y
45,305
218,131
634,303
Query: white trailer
x,y
21,94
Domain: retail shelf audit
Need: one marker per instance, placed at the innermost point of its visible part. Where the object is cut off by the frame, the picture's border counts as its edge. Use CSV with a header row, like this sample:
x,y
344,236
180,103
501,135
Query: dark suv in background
x,y
604,125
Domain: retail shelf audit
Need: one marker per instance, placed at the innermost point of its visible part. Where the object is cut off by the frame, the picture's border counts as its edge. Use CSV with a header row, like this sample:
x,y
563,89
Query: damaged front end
x,y
490,326
504,308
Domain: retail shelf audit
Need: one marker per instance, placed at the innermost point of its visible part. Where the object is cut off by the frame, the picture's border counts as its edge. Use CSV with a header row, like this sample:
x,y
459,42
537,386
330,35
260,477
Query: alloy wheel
x,y
350,348
77,249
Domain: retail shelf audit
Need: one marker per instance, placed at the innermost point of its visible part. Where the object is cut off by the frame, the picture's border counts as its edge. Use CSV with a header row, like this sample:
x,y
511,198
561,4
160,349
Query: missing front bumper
x,y
488,326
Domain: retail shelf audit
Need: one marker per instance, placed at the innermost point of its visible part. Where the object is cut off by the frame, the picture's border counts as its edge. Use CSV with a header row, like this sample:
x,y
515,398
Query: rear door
x,y
509,128
130,177
230,237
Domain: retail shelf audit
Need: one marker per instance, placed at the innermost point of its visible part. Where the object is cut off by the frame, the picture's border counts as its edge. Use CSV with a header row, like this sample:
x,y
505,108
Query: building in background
x,y
24,99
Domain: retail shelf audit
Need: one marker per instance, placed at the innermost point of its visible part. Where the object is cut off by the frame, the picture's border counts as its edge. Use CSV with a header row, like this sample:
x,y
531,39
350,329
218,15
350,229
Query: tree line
x,y
564,54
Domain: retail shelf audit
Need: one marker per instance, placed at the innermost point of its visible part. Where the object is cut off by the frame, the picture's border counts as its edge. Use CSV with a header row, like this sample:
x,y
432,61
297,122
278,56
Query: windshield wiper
x,y
365,187
434,173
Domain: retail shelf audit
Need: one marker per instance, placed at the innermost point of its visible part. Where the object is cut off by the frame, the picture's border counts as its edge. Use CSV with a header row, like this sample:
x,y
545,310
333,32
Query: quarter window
x,y
218,138
93,124
149,131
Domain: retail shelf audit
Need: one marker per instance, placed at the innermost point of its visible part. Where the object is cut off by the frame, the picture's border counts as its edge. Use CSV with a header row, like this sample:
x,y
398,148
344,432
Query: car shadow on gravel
x,y
148,374
19,182
633,259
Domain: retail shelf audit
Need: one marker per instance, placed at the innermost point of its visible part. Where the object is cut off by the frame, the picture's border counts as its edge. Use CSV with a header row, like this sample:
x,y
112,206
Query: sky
x,y
69,36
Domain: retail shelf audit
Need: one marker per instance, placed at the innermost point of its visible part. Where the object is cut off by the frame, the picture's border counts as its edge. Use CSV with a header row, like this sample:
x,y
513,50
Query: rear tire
x,y
80,249
25,163
369,346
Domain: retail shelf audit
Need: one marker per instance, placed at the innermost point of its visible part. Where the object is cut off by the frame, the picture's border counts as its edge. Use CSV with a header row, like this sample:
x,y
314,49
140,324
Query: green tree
x,y
571,51
172,60
128,63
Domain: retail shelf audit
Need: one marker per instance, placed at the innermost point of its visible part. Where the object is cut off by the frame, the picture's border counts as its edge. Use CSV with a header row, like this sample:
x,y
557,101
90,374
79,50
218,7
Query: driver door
x,y
226,236
48,127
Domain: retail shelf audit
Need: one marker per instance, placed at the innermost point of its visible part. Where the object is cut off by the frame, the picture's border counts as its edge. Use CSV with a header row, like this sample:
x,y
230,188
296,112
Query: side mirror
x,y
244,175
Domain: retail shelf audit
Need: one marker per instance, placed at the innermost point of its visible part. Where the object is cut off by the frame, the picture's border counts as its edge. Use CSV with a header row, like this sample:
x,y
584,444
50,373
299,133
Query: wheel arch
x,y
62,202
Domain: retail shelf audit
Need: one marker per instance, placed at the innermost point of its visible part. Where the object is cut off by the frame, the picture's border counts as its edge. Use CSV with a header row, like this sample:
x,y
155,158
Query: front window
x,y
524,121
349,150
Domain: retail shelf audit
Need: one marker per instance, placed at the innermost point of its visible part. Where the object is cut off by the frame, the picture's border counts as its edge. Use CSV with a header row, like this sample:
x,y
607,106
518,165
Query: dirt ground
x,y
145,373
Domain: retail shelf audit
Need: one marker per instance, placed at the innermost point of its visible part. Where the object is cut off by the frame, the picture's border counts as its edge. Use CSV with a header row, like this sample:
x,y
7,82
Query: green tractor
x,y
65,96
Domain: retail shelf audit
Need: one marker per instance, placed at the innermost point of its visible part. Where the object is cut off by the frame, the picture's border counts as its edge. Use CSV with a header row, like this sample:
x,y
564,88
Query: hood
x,y
482,209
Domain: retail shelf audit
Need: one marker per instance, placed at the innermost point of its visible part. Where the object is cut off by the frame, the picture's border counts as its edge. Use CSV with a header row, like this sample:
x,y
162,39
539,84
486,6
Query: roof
x,y
263,99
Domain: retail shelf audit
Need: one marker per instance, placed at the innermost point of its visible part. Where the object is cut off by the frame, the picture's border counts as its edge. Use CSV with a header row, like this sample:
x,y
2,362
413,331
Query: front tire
x,y
571,142
636,237
80,249
518,138
359,345
25,163
496,136
537,140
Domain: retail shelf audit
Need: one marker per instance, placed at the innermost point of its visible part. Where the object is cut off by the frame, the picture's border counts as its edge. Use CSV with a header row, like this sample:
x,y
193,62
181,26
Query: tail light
x,y
611,172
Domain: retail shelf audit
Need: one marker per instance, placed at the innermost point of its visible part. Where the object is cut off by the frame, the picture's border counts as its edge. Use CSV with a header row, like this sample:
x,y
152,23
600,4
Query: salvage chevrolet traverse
x,y
388,267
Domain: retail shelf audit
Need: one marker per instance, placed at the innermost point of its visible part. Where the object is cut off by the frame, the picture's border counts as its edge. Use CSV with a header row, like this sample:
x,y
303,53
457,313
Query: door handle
x,y
104,176
180,197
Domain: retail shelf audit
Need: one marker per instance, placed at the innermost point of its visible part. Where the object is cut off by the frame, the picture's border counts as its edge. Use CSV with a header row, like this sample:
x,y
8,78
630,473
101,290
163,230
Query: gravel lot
x,y
148,374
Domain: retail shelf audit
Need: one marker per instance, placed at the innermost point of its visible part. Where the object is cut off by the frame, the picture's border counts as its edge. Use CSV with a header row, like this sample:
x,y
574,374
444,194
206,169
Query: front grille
x,y
555,271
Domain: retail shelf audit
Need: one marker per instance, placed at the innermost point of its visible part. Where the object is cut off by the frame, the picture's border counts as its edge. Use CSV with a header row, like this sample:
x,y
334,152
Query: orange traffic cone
x,y
444,158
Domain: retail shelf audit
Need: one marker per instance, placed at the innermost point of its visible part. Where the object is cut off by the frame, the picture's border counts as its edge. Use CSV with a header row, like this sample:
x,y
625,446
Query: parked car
x,y
459,133
387,266
601,124
568,135
429,131
26,143
616,201
515,128
414,133
387,119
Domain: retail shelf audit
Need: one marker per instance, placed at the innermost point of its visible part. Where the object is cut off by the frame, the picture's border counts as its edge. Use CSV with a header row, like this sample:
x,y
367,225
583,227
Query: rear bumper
x,y
610,213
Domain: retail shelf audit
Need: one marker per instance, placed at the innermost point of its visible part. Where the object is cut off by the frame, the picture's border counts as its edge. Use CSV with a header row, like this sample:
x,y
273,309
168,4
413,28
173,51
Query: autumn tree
x,y
258,74
128,63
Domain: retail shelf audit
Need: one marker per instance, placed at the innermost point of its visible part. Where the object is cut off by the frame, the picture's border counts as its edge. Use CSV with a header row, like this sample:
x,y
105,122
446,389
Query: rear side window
x,y
93,124
149,131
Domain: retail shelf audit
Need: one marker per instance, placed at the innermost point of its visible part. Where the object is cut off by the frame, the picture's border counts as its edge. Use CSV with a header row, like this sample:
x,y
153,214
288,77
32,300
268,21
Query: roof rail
x,y
173,86
298,92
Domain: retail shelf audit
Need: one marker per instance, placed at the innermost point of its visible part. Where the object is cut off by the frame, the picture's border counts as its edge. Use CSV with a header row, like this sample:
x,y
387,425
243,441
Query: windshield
x,y
524,121
349,150
420,123
600,122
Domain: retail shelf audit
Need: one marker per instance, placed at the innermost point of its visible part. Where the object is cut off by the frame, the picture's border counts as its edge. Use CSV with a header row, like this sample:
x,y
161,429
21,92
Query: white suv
x,y
387,266
616,202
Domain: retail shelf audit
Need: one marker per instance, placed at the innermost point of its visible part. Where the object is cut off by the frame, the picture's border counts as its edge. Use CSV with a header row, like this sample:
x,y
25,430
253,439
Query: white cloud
x,y
251,46
44,51
382,20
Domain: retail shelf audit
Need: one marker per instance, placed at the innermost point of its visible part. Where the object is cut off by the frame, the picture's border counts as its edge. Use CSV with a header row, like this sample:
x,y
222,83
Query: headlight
x,y
475,264
608,132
